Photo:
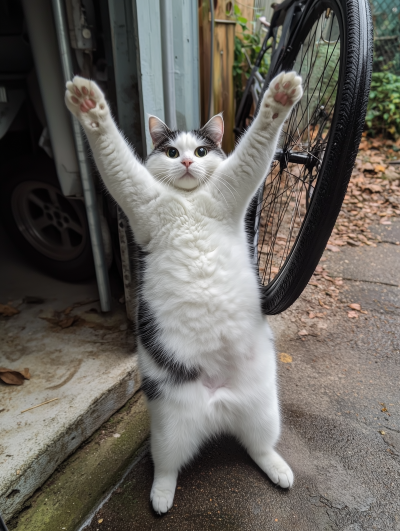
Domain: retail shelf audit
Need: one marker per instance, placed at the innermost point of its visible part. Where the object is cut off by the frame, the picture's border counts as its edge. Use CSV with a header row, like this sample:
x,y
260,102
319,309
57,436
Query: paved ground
x,y
340,394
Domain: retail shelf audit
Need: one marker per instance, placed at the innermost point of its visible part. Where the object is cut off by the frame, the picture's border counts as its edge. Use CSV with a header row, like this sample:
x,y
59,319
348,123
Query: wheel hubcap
x,y
53,225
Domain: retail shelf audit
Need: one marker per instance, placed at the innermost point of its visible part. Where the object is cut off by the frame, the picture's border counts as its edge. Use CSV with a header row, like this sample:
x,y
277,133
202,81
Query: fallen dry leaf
x,y
69,321
303,333
352,315
14,377
8,311
99,521
285,358
336,242
392,174
332,248
355,306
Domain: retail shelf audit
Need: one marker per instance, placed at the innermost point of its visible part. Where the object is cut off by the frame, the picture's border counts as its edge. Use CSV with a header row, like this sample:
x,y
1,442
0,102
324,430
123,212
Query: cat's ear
x,y
214,129
158,130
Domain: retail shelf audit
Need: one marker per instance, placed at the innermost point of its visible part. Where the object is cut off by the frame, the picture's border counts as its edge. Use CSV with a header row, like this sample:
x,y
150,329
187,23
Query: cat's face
x,y
185,160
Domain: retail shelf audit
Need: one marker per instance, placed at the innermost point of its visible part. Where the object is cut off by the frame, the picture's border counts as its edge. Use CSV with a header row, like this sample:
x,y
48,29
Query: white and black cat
x,y
206,353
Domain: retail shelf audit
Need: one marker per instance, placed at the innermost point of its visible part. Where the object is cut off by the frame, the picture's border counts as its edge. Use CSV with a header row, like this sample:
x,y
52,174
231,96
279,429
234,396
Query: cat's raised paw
x,y
86,101
162,494
285,90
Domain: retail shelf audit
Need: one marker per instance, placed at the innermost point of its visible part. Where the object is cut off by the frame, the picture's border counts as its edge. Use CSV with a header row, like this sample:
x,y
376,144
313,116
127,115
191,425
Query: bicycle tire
x,y
341,148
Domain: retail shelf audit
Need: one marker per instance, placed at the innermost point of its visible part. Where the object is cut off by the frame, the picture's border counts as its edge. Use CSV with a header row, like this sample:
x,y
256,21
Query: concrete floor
x,y
340,399
89,366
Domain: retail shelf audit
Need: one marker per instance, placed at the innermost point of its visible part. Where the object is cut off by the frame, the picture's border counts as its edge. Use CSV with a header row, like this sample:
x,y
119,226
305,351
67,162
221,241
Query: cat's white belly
x,y
204,293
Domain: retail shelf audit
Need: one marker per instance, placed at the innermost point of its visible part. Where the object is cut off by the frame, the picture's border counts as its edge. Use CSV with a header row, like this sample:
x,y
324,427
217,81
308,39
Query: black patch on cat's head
x,y
165,142
161,135
208,142
211,135
168,141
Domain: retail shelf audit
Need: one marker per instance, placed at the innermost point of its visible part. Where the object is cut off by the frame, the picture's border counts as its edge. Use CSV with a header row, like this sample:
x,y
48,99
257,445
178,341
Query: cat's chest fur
x,y
198,278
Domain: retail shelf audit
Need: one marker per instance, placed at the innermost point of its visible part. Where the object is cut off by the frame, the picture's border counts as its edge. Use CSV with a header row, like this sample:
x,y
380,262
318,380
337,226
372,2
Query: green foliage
x,y
248,44
383,114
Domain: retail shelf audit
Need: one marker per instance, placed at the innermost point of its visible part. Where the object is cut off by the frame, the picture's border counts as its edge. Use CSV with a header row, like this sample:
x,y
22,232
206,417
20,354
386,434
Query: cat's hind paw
x,y
86,101
276,468
162,494
284,91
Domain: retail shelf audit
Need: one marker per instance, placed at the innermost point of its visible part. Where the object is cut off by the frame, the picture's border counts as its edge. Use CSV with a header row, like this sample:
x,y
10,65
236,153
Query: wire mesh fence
x,y
386,18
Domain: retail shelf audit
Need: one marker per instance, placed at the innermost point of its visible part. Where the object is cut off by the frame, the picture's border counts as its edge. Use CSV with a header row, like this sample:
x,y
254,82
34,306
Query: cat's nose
x,y
186,162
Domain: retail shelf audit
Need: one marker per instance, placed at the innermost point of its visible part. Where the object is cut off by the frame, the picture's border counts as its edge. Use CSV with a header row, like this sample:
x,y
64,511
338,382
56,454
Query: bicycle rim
x,y
289,189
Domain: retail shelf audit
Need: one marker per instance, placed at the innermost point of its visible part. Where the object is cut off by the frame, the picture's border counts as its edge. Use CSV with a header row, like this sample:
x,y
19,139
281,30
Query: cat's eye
x,y
172,153
201,152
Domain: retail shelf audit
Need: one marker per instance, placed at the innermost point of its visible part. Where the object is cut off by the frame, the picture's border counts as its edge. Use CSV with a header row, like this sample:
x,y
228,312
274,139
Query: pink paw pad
x,y
281,97
87,104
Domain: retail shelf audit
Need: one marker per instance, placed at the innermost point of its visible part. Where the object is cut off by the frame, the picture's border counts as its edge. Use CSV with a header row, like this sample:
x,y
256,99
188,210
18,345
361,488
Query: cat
x,y
206,352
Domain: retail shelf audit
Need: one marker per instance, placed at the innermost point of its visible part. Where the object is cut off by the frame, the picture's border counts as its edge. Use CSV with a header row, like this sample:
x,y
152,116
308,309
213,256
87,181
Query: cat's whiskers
x,y
214,184
221,180
166,177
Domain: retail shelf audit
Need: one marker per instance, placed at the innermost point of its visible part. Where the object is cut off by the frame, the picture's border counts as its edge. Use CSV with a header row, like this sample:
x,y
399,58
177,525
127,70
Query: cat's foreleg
x,y
126,178
176,437
250,162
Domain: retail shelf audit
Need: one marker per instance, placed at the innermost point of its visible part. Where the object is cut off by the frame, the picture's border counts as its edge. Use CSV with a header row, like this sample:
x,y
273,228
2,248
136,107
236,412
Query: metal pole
x,y
167,41
89,192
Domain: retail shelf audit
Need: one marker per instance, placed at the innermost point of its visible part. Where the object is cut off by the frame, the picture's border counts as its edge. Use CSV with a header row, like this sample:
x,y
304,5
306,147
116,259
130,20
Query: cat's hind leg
x,y
177,432
259,432
257,417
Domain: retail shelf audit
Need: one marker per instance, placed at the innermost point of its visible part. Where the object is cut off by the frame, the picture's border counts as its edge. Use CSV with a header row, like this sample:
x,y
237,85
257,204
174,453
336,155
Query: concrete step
x,y
82,363
68,497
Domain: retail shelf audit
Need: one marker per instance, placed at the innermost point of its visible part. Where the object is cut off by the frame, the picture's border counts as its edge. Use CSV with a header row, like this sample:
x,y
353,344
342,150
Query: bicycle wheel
x,y
295,210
